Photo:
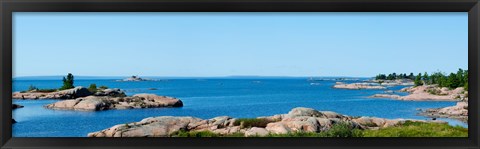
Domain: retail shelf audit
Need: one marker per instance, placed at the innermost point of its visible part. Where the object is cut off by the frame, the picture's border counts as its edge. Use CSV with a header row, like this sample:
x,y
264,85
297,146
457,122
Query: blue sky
x,y
225,44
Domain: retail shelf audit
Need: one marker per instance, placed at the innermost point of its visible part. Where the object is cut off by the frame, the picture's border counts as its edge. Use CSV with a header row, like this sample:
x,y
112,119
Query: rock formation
x,y
297,120
64,94
458,111
97,103
16,106
428,92
342,85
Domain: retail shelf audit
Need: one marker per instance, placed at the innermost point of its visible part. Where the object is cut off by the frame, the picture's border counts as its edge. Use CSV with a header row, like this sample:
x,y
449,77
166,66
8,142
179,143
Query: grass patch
x,y
252,122
419,129
183,133
408,129
337,130
35,89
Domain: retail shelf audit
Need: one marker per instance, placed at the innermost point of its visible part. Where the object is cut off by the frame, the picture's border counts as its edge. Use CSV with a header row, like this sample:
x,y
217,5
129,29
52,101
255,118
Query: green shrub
x,y
92,88
298,134
103,87
343,130
252,122
31,88
370,125
183,133
419,129
434,91
337,130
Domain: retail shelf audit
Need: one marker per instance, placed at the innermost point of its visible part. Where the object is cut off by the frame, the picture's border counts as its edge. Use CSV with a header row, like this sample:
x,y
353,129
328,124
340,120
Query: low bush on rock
x,y
337,130
408,129
252,122
204,134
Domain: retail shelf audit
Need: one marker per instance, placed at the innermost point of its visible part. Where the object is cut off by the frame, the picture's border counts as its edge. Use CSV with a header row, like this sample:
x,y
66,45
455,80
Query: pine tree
x,y
411,76
418,80
425,78
67,82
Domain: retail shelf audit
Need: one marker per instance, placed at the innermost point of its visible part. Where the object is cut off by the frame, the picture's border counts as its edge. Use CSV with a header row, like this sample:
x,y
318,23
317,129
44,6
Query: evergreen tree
x,y
452,81
465,79
411,76
418,80
460,77
67,82
425,78
381,77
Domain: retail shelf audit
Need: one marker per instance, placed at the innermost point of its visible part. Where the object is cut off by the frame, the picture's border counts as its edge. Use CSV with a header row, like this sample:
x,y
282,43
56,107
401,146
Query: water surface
x,y
208,98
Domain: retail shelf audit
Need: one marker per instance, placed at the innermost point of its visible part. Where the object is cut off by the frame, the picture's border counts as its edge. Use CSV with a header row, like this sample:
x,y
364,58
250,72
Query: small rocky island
x,y
95,98
98,103
297,120
135,79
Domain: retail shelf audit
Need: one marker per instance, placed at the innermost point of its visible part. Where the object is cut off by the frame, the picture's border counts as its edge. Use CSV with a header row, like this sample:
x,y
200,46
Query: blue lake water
x,y
207,98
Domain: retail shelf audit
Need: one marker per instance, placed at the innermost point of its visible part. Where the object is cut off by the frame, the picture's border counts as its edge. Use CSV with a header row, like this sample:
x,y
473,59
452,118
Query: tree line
x,y
394,76
452,80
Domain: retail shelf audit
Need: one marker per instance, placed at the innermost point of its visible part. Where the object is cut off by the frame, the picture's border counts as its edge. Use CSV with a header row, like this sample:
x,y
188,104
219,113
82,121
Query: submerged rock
x,y
16,106
97,103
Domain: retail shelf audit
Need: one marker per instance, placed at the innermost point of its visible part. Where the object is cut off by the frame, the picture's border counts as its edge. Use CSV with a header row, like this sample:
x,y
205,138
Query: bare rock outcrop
x,y
428,92
341,85
97,103
458,111
297,120
63,94
395,82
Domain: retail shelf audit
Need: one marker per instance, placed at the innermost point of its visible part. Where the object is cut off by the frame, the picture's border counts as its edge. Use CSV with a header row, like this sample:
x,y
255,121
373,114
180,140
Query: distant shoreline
x,y
193,77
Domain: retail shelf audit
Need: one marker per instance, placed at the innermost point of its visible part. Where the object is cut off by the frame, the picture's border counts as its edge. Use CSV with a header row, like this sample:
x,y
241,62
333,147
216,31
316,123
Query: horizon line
x,y
192,76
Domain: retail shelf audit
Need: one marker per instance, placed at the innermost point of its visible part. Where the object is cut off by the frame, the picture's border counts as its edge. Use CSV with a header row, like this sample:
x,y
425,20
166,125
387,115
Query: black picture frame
x,y
9,6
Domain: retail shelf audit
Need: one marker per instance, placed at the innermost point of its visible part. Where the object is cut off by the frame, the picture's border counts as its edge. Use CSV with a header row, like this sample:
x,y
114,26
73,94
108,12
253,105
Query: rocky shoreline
x,y
98,103
297,120
73,93
435,93
356,86
458,111
404,82
428,93
64,94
